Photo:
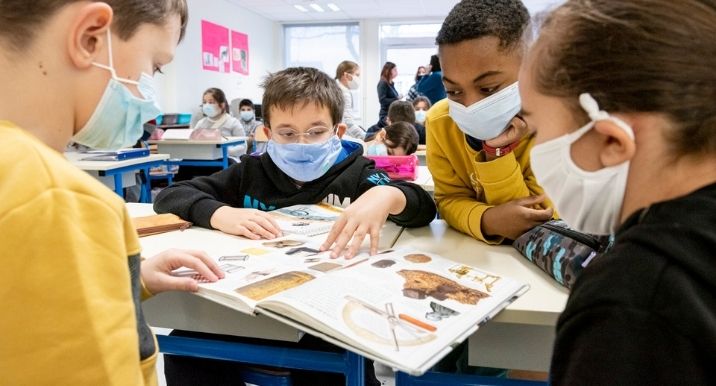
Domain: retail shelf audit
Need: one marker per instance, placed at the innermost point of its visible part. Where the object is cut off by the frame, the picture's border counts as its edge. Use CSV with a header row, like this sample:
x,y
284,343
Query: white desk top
x,y
541,305
75,159
425,179
227,141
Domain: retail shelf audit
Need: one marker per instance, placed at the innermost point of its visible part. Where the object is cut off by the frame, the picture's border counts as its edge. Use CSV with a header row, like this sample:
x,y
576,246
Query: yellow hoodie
x,y
71,287
465,184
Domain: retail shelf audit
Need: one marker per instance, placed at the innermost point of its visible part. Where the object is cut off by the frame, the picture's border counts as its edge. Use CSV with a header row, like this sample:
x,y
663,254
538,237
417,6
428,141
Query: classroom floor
x,y
383,373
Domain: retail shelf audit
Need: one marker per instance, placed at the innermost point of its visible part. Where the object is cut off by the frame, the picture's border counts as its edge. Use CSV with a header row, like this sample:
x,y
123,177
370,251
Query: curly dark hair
x,y
472,19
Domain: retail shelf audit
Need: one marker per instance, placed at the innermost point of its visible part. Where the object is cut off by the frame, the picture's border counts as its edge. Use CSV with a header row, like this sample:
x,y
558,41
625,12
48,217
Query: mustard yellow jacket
x,y
465,184
70,301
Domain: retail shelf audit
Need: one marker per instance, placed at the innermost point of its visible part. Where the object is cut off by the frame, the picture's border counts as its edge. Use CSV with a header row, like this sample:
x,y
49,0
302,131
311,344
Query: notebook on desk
x,y
177,134
119,155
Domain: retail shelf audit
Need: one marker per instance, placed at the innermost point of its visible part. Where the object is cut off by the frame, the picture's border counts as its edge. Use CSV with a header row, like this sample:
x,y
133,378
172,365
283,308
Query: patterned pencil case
x,y
560,251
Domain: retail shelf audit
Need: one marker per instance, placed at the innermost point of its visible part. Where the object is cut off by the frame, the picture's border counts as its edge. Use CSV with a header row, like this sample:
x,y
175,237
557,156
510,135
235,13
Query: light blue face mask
x,y
305,161
247,115
420,116
377,149
118,120
210,110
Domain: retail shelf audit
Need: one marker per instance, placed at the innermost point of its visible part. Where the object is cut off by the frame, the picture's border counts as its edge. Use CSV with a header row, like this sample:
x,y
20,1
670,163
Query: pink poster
x,y
239,52
214,47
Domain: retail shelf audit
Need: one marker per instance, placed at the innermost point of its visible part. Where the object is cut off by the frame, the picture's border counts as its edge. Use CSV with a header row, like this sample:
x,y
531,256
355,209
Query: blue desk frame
x,y
348,363
146,194
441,379
223,162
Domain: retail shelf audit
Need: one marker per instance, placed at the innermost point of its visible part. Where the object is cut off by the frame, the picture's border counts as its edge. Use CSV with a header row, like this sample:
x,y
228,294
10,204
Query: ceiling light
x,y
300,8
316,7
333,7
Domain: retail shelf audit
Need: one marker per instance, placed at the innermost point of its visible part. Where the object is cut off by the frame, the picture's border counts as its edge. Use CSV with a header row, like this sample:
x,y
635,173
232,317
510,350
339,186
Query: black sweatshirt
x,y
258,183
645,312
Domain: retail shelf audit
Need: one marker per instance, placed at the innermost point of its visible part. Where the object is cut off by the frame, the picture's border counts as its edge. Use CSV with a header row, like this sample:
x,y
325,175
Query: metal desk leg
x,y
118,185
355,369
146,189
225,156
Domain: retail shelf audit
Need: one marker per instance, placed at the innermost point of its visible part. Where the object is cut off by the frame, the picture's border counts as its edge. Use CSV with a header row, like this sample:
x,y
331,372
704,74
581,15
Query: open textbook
x,y
306,220
404,308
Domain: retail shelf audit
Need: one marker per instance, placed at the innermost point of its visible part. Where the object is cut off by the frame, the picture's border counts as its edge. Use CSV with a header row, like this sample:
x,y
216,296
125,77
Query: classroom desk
x,y
119,174
522,335
425,179
185,311
198,152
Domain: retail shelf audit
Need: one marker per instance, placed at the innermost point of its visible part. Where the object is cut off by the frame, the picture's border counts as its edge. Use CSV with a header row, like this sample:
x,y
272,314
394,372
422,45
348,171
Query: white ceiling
x,y
284,10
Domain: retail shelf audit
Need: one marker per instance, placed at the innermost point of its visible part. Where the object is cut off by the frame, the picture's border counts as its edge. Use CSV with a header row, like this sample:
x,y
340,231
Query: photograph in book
x,y
306,220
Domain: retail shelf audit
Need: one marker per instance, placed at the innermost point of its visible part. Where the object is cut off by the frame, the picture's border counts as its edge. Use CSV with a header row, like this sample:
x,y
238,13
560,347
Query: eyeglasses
x,y
313,135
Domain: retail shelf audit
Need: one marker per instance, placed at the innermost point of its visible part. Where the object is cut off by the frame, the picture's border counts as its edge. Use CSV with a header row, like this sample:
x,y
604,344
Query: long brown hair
x,y
655,56
219,97
385,72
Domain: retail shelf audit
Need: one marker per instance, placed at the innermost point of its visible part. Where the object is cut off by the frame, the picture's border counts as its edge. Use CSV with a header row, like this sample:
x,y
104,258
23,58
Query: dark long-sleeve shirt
x,y
258,183
645,312
387,94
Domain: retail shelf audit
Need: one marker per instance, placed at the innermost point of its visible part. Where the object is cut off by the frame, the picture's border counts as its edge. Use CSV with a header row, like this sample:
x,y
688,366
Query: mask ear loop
x,y
590,105
110,68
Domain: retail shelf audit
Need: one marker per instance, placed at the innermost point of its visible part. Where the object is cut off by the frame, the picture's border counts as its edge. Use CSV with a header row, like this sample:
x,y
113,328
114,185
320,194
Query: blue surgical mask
x,y
210,110
377,149
489,117
118,120
420,116
305,161
247,115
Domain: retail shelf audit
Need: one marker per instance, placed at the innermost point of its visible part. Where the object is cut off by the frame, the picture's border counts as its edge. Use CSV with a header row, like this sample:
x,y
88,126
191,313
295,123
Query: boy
x,y
305,163
71,312
483,183
402,111
247,117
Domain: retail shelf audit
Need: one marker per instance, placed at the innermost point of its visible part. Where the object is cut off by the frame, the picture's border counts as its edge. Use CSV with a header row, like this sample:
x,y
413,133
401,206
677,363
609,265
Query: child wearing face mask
x,y
636,155
477,144
74,275
400,138
305,162
217,122
421,105
348,79
249,124
400,111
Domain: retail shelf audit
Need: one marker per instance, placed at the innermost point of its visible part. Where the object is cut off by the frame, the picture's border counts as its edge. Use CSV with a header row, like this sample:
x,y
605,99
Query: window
x,y
408,46
322,46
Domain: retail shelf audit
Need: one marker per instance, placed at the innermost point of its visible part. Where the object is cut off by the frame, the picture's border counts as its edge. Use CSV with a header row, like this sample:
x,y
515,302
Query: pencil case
x,y
398,167
159,223
559,251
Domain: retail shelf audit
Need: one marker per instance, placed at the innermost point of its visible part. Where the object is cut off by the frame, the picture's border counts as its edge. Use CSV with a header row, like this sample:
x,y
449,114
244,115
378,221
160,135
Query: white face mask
x,y
590,202
354,83
488,118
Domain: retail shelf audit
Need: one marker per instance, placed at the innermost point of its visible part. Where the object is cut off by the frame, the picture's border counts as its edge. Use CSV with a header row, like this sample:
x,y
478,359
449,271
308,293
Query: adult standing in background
x,y
431,85
348,78
419,75
387,93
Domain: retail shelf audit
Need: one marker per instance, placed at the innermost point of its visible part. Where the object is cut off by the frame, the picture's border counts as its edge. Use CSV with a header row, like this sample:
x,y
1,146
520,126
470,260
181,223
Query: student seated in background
x,y
477,144
401,111
642,162
71,311
249,123
217,122
306,162
421,105
400,138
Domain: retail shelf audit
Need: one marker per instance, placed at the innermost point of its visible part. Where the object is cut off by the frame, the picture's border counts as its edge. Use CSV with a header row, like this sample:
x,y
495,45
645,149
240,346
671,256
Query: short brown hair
x,y
345,66
401,111
654,56
300,86
402,134
19,19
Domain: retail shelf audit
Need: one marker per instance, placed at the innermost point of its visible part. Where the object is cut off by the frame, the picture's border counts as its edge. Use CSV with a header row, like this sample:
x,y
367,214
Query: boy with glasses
x,y
306,162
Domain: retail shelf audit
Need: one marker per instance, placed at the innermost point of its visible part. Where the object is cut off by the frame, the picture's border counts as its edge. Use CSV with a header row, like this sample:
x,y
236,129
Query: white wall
x,y
184,80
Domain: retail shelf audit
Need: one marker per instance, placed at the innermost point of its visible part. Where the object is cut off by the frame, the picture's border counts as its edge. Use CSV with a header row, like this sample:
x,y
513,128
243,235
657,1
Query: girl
x,y
216,122
621,94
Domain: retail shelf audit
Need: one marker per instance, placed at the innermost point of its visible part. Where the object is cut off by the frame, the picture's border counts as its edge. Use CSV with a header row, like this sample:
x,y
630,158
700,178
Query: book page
x,y
404,306
177,134
306,220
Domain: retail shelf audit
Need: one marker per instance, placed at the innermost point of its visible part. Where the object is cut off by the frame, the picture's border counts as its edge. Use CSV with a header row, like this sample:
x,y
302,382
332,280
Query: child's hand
x,y
250,223
514,218
365,216
157,275
518,129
